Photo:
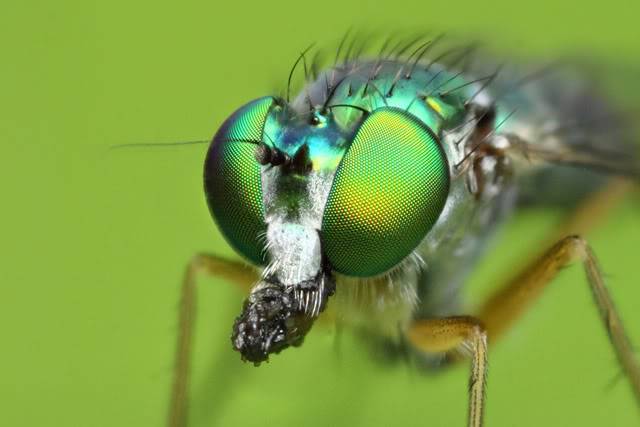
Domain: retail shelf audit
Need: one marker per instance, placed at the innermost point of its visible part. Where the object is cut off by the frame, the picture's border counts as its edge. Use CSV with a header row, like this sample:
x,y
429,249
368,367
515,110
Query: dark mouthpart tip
x,y
274,318
261,328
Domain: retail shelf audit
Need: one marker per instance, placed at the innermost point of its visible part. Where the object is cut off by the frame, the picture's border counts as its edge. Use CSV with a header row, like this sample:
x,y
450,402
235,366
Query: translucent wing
x,y
590,119
576,125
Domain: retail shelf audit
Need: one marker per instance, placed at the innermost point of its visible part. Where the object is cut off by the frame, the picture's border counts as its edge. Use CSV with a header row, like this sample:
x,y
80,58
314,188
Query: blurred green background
x,y
95,242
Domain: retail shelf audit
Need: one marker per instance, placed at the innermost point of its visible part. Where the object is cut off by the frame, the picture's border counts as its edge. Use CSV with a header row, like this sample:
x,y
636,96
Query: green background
x,y
94,242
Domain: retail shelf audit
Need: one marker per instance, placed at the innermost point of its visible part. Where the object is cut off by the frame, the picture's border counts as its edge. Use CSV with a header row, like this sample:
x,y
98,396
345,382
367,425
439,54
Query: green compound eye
x,y
388,192
232,182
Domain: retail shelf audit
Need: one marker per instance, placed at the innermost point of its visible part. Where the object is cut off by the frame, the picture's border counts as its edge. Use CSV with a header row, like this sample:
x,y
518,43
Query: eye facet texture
x,y
388,192
232,179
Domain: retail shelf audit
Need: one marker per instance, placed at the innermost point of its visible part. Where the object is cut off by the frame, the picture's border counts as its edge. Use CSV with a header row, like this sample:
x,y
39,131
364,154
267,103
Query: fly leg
x,y
508,303
453,334
211,265
504,307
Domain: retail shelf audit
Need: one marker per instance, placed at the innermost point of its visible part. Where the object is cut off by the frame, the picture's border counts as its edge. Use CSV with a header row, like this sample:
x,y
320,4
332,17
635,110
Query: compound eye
x,y
232,180
387,193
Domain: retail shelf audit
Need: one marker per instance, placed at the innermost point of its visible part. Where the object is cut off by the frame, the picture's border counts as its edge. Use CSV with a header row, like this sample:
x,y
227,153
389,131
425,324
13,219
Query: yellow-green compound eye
x,y
388,191
232,180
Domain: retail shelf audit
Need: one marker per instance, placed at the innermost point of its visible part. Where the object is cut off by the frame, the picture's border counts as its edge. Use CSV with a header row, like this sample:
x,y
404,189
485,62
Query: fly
x,y
378,186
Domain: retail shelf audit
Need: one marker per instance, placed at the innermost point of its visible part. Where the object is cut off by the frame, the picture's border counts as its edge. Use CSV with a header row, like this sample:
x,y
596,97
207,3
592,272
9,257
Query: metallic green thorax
x,y
323,116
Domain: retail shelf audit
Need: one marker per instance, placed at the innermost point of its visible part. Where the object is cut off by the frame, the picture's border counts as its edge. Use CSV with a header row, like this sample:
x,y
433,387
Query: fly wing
x,y
582,156
575,124
590,126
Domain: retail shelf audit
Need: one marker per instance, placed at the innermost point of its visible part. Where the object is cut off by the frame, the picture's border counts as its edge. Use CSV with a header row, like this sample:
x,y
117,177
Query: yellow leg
x,y
457,333
233,271
506,306
471,333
